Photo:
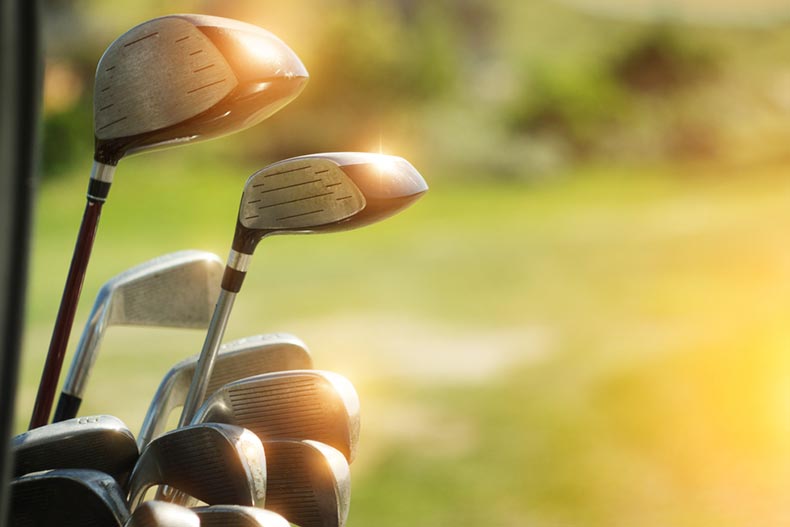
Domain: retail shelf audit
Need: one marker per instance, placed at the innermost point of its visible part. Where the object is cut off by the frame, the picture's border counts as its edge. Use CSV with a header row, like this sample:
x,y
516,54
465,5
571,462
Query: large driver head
x,y
183,78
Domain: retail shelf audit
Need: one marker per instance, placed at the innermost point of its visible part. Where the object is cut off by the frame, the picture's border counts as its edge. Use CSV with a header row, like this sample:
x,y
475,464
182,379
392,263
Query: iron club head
x,y
100,442
69,498
301,404
238,359
239,516
177,290
309,483
214,463
163,514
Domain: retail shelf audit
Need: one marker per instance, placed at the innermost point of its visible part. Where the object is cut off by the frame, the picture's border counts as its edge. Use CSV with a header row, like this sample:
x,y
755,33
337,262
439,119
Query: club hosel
x,y
100,182
67,408
235,271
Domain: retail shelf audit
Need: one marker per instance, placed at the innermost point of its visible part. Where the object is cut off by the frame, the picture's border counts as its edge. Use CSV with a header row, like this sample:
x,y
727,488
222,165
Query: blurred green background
x,y
586,321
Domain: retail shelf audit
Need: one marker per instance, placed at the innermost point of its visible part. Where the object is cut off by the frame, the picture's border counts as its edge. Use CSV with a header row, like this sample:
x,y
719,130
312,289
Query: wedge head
x,y
184,78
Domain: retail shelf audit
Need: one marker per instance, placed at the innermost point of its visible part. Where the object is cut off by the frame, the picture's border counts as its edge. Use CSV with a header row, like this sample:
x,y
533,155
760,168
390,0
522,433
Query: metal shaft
x,y
208,355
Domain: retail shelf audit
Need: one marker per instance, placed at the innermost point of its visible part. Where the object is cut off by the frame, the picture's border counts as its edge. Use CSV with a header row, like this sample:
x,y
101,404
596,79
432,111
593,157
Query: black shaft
x,y
20,89
65,319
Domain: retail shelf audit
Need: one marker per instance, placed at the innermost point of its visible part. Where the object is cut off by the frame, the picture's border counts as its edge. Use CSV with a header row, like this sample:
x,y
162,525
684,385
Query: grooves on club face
x,y
238,359
183,78
214,463
309,483
303,404
67,498
238,516
163,514
323,193
100,443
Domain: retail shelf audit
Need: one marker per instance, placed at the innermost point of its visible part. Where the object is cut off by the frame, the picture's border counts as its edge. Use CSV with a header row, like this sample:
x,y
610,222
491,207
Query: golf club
x,y
67,498
100,442
300,404
214,463
163,514
240,358
307,194
309,483
177,290
238,516
171,80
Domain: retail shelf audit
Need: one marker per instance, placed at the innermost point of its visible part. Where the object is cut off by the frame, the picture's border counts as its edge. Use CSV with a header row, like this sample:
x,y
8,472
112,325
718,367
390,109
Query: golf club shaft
x,y
208,355
99,187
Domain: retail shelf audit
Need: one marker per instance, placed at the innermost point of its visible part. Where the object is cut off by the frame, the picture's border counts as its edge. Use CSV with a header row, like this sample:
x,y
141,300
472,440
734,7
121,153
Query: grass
x,y
606,348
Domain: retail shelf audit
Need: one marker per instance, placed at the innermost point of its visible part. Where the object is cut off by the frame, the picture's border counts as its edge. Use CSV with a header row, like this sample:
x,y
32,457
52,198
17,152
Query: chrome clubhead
x,y
238,359
100,442
238,516
184,78
309,483
214,463
177,290
67,498
163,514
303,404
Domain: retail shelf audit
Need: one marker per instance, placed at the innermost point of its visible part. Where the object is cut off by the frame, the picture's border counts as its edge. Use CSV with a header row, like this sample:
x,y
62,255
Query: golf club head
x,y
214,463
238,359
67,498
300,404
100,442
323,193
163,514
309,483
238,516
185,78
177,290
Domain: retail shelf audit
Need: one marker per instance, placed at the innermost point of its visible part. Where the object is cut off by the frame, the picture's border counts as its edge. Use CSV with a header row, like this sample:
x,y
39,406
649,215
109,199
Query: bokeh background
x,y
586,322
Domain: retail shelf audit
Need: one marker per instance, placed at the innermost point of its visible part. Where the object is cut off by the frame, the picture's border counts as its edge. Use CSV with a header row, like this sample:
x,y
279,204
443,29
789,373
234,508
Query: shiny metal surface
x,y
215,463
298,194
177,290
236,360
156,75
163,514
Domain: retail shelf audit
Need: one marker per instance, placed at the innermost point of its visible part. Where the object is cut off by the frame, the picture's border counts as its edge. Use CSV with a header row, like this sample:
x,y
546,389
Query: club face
x,y
163,514
69,498
176,290
214,463
238,359
100,443
239,516
305,404
323,193
309,483
183,78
